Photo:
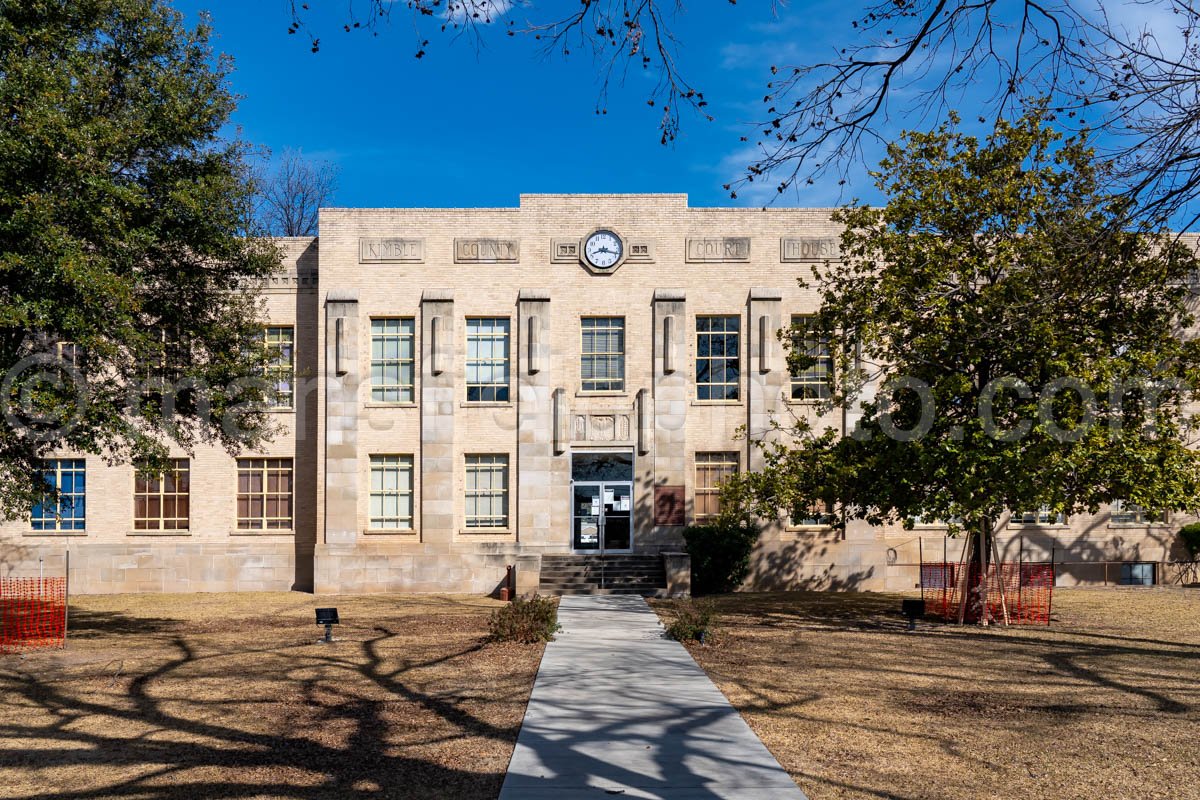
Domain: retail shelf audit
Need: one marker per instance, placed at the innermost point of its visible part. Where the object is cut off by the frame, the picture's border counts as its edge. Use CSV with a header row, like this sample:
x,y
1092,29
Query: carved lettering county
x,y
390,251
729,248
486,251
809,248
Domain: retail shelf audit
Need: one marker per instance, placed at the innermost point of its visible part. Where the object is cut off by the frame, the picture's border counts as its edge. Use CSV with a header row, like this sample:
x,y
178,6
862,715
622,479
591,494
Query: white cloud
x,y
480,11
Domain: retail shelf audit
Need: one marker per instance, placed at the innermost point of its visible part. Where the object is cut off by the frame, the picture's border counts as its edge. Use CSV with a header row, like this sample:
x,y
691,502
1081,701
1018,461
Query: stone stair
x,y
607,574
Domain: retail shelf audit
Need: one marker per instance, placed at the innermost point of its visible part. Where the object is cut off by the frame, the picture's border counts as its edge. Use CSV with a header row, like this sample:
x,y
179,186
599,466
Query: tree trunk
x,y
976,582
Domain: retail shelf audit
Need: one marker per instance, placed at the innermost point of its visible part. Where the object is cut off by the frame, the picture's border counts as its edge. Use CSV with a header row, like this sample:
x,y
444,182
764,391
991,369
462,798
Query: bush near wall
x,y
1190,536
525,621
720,555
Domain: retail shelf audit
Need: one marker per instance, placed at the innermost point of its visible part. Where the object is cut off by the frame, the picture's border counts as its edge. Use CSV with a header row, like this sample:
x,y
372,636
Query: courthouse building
x,y
465,389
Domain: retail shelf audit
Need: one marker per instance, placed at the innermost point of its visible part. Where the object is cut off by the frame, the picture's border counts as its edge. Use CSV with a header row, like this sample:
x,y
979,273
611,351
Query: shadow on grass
x,y
207,717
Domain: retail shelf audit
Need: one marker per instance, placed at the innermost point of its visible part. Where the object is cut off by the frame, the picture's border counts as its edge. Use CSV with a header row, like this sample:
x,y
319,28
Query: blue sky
x,y
461,127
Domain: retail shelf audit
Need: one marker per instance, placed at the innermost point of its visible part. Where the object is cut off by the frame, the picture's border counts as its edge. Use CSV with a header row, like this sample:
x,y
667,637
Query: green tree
x,y
1027,353
123,320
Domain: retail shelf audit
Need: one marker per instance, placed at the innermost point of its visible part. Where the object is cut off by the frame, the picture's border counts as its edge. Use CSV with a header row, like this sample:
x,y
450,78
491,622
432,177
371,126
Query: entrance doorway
x,y
602,502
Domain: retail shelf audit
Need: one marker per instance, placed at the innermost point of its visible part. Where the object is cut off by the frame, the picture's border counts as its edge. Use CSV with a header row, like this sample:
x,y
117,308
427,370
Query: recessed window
x,y
487,491
393,364
161,500
264,500
1137,574
602,368
712,469
487,359
815,517
280,366
1043,516
811,382
67,510
718,364
391,492
1122,513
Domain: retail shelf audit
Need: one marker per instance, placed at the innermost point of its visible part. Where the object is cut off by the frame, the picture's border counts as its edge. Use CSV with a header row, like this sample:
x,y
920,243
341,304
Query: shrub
x,y
1190,536
525,621
692,621
720,555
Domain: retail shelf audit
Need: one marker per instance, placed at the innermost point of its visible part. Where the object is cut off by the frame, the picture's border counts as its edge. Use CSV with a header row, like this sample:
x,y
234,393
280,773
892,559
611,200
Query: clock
x,y
603,249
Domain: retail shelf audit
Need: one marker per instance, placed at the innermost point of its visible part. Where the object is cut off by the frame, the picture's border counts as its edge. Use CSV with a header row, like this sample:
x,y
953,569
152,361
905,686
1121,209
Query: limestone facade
x,y
467,467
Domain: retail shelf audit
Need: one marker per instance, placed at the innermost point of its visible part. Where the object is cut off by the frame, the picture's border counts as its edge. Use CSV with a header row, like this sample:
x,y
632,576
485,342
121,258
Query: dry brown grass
x,y
222,696
1103,704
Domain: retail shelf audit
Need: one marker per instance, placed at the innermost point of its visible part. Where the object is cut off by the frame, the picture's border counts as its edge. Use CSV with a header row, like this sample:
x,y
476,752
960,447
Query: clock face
x,y
603,249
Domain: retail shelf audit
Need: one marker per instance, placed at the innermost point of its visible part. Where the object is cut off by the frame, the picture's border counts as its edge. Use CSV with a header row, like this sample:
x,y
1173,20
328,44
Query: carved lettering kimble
x,y
378,250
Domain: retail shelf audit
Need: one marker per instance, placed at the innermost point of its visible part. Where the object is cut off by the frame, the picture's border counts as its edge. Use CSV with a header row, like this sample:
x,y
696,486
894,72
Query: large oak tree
x,y
123,320
1006,346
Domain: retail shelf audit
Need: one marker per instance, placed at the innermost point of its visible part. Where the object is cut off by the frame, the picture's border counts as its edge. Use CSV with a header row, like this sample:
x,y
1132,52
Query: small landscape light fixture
x,y
912,608
327,617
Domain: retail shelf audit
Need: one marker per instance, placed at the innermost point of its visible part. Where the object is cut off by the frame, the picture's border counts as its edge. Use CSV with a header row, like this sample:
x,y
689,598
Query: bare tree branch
x,y
293,194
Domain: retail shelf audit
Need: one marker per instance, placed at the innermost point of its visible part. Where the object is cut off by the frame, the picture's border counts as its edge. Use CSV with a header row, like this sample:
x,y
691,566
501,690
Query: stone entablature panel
x,y
390,250
809,248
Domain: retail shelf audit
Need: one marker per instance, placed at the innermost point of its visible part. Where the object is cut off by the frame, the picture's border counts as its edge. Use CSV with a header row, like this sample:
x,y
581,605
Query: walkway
x,y
618,710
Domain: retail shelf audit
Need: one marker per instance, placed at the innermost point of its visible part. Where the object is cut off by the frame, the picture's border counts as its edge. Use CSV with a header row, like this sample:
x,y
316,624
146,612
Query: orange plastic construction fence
x,y
33,613
1025,590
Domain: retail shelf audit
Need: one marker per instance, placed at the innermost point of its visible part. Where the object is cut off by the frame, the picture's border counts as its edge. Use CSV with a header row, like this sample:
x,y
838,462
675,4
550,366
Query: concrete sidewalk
x,y
620,710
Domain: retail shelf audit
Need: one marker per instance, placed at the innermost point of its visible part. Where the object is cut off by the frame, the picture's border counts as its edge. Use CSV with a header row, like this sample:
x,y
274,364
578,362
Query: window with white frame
x,y
487,492
718,363
161,501
487,359
712,469
1043,516
391,493
602,366
1122,513
811,382
815,517
280,366
393,360
264,499
66,511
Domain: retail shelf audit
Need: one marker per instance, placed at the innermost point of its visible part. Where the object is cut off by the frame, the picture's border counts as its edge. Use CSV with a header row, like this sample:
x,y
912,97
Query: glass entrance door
x,y
602,502
602,517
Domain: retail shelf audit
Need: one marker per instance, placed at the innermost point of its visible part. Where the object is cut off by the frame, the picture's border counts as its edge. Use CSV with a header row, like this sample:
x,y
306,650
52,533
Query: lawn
x,y
1104,703
229,695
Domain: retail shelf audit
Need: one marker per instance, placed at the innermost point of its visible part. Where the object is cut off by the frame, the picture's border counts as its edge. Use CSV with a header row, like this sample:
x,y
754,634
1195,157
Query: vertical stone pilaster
x,y
767,369
535,419
341,417
670,393
438,402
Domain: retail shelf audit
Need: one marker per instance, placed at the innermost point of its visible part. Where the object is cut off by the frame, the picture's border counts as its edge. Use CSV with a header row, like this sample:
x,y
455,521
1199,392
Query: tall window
x,y
280,369
718,366
487,359
69,354
1042,516
711,470
392,360
487,491
264,500
67,511
812,382
161,501
603,364
1122,513
391,492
